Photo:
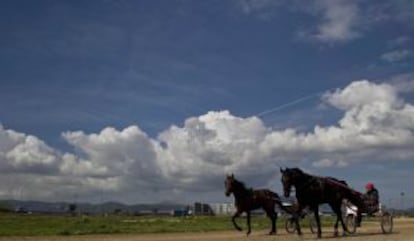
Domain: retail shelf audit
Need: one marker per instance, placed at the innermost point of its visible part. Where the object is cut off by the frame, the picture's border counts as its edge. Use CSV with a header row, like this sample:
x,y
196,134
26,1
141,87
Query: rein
x,y
327,179
333,181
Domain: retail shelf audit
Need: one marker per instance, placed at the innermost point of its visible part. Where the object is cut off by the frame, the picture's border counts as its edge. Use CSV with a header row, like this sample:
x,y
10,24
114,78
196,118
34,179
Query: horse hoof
x,y
248,233
272,233
336,233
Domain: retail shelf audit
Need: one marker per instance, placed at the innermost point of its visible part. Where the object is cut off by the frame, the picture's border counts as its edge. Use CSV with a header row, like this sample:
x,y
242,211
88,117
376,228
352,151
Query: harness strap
x,y
333,181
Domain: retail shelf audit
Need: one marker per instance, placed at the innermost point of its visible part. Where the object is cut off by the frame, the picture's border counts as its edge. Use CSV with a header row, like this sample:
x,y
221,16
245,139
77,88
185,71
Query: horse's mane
x,y
299,171
296,169
239,184
343,182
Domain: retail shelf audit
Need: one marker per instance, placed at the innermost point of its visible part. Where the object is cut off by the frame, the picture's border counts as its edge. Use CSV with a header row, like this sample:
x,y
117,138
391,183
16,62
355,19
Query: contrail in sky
x,y
280,107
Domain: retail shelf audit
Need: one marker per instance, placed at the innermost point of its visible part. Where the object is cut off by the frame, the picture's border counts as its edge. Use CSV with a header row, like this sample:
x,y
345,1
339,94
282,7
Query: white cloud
x,y
209,146
335,21
374,115
403,83
338,21
396,55
375,119
114,152
257,6
25,153
73,165
377,124
329,163
362,93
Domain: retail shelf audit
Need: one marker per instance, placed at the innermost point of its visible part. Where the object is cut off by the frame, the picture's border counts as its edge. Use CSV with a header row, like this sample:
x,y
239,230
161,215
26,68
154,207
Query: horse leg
x,y
318,221
273,217
334,209
233,219
296,217
248,223
274,230
338,212
336,227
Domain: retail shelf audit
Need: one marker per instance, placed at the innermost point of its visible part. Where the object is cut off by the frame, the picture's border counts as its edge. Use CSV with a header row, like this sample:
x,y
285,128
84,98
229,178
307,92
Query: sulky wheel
x,y
290,225
350,222
387,223
312,224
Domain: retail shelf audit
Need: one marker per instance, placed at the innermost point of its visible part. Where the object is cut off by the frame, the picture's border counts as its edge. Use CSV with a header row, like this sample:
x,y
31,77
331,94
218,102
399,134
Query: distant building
x,y
223,208
202,209
182,212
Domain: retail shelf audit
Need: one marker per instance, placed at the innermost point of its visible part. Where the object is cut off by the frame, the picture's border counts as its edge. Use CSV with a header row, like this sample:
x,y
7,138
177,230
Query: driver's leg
x,y
359,218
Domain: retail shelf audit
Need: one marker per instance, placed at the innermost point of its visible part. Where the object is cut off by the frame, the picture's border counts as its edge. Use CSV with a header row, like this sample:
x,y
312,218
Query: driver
x,y
371,198
371,201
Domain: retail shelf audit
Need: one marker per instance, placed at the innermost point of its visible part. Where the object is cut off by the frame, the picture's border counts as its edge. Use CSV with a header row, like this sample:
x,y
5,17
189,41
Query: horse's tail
x,y
275,197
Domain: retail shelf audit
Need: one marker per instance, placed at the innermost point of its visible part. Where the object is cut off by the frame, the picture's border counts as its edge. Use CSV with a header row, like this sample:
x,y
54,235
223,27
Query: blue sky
x,y
152,69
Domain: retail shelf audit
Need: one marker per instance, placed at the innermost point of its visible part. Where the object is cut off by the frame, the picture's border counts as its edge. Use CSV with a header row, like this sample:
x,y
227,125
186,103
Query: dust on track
x,y
403,231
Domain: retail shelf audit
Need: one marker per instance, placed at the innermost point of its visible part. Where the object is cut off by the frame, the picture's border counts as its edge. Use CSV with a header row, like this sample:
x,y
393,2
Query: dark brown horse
x,y
247,200
313,190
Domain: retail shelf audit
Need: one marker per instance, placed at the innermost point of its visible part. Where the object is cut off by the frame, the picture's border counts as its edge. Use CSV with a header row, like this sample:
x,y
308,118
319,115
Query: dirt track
x,y
403,231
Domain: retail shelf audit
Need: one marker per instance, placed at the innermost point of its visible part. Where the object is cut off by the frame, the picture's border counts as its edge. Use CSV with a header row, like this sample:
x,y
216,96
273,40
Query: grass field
x,y
40,225
370,231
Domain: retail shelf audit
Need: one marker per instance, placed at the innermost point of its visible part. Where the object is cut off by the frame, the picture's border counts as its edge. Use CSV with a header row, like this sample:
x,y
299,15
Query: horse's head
x,y
289,178
229,184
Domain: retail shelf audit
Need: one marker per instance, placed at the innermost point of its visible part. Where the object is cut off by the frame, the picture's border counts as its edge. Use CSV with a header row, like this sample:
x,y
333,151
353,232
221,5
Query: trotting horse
x,y
247,200
312,191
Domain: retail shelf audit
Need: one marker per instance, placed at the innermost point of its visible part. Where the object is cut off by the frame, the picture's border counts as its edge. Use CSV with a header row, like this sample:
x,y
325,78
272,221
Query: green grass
x,y
34,225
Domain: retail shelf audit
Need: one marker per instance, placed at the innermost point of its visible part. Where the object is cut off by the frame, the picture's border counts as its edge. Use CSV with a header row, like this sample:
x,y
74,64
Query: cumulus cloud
x,y
374,117
211,145
377,124
112,152
25,153
362,93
